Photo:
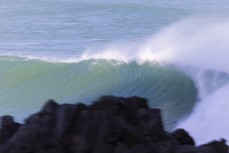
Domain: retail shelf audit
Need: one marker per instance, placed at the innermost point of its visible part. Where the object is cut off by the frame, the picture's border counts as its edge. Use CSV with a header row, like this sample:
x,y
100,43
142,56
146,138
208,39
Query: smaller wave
x,y
16,57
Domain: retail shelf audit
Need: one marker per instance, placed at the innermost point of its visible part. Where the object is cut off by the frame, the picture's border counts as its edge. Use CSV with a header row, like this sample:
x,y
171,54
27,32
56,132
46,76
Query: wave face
x,y
26,84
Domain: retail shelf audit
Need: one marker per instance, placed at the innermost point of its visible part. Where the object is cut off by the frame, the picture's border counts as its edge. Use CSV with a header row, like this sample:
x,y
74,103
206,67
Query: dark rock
x,y
65,116
9,127
109,103
214,147
186,149
137,102
110,125
50,106
150,122
25,140
81,106
116,103
183,137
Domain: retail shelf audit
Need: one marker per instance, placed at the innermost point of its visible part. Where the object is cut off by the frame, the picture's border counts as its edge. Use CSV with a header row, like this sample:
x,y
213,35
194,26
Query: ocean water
x,y
174,53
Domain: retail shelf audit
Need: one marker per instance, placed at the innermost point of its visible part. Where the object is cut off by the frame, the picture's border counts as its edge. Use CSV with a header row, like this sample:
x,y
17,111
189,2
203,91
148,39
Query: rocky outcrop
x,y
110,125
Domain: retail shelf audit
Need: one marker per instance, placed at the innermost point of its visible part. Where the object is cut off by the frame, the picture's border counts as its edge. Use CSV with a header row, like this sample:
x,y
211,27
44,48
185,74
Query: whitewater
x,y
199,48
173,54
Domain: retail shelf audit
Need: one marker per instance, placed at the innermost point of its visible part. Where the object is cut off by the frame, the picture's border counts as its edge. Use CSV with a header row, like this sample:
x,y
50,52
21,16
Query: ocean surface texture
x,y
174,53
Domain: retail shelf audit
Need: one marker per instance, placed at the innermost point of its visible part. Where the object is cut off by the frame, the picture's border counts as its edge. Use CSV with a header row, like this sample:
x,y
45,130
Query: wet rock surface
x,y
110,125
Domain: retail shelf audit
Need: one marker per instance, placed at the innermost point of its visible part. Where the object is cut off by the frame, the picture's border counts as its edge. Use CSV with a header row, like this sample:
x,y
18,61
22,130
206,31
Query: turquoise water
x,y
174,53
26,85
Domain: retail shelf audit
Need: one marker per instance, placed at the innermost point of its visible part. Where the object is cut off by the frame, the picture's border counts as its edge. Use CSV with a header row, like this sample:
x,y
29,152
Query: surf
x,y
178,68
196,45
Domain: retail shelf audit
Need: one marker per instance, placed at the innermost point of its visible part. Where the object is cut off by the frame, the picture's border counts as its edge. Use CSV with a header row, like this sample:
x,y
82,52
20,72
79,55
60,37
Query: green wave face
x,y
26,84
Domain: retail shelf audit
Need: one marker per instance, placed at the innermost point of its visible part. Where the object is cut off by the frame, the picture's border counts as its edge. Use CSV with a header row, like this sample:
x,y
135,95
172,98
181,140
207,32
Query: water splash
x,y
197,42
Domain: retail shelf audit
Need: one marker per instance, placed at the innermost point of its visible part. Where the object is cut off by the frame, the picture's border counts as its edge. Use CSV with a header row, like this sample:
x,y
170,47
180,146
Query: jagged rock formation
x,y
109,125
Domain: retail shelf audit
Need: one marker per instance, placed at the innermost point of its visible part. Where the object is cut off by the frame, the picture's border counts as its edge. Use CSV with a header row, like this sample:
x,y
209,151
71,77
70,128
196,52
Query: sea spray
x,y
194,41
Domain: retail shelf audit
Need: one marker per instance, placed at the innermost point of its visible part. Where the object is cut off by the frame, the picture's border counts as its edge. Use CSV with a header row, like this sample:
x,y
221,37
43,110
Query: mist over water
x,y
173,53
